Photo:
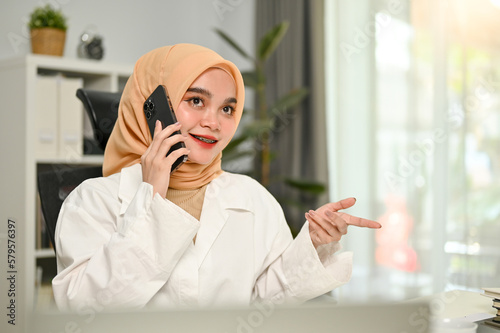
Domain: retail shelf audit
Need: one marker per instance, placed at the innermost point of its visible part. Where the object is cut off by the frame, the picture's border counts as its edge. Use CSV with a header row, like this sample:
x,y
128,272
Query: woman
x,y
200,236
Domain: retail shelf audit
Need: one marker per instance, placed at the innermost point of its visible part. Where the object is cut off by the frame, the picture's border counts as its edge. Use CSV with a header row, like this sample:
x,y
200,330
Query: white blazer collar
x,y
130,179
223,193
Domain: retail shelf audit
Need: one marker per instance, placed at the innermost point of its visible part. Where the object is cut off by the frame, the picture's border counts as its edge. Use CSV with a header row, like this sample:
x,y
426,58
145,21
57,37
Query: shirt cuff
x,y
312,273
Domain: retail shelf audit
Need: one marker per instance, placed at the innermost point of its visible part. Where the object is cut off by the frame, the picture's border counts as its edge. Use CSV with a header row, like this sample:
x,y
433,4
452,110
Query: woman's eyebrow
x,y
207,93
230,100
202,91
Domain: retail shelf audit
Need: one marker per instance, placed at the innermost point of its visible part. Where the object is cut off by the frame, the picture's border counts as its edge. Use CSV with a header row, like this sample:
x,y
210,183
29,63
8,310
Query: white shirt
x,y
120,246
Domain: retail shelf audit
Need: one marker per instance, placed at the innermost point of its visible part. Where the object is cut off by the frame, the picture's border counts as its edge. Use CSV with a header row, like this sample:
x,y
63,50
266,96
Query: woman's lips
x,y
204,140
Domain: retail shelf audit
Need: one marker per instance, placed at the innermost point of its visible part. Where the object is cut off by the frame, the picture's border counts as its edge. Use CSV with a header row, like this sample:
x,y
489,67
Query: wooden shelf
x,y
45,253
18,78
84,160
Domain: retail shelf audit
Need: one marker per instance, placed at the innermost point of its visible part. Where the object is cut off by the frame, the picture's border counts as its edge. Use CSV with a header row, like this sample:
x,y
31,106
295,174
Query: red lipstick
x,y
206,141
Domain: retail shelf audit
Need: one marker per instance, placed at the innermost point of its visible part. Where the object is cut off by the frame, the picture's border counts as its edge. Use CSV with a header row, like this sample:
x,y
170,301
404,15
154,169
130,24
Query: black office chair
x,y
102,109
54,186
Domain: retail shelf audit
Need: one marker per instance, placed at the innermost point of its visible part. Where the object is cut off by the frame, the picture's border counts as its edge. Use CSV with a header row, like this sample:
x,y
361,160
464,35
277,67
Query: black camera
x,y
149,107
157,107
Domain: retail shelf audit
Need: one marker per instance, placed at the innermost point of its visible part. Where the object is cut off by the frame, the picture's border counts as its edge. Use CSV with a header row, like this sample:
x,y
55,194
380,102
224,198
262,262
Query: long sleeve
x,y
297,272
107,258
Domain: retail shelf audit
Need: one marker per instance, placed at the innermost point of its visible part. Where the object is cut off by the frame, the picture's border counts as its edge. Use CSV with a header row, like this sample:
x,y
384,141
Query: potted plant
x,y
48,31
258,129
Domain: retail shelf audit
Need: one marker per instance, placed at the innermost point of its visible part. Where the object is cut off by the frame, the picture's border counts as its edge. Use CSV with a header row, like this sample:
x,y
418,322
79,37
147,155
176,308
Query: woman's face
x,y
206,113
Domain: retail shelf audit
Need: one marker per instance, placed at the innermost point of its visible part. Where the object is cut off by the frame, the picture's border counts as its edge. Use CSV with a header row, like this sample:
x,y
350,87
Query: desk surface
x,y
314,317
459,304
263,318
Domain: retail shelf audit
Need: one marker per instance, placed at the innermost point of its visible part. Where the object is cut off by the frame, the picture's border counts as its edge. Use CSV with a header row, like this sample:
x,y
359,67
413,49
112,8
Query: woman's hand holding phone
x,y
156,166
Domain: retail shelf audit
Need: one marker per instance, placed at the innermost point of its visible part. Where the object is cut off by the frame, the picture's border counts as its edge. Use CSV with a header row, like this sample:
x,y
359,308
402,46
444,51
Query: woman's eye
x,y
197,101
228,110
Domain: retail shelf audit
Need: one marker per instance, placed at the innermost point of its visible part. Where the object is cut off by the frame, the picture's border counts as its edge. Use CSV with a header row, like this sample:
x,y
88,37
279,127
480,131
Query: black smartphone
x,y
158,107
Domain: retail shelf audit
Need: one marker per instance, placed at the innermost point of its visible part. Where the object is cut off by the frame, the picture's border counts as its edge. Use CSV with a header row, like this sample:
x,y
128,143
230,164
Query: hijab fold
x,y
176,67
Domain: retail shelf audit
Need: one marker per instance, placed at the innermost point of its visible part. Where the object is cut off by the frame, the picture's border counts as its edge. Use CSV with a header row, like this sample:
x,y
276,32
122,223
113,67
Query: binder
x,y
46,125
70,109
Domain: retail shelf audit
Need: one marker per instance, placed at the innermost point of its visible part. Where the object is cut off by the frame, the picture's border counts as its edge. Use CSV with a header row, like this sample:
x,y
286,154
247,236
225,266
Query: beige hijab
x,y
176,67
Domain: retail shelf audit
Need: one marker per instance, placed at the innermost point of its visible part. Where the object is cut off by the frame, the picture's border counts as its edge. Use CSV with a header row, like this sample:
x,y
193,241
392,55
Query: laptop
x,y
314,317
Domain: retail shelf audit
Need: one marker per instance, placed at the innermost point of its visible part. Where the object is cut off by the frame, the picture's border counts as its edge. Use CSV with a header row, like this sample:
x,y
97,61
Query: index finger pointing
x,y
360,222
342,204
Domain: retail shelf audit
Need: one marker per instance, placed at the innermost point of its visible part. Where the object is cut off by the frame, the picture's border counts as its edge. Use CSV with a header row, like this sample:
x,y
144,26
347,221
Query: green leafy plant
x,y
260,129
47,17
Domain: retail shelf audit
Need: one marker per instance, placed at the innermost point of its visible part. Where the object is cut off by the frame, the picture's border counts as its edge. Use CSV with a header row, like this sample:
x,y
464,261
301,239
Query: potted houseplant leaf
x,y
48,30
258,129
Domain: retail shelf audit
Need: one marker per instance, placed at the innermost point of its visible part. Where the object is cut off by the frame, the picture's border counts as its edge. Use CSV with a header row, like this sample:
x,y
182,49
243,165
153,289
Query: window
x,y
418,82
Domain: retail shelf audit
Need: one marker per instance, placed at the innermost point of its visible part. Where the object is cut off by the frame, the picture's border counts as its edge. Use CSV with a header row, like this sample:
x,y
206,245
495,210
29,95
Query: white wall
x,y
132,28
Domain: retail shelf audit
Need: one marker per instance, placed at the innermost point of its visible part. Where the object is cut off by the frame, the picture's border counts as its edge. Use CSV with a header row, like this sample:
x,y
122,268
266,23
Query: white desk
x,y
314,318
410,316
461,304
458,304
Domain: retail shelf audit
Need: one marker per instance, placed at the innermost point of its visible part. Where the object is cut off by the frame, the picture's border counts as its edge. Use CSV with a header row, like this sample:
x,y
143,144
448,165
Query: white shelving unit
x,y
19,167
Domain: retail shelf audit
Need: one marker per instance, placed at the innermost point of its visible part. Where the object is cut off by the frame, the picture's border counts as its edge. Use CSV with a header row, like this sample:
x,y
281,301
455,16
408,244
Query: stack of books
x,y
494,294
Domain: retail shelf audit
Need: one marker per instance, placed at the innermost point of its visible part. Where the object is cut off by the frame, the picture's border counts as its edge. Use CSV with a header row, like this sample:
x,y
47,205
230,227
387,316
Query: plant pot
x,y
48,41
